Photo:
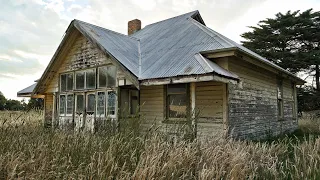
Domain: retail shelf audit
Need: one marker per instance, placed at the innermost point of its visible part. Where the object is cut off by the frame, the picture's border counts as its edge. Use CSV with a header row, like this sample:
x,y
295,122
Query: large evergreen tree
x,y
290,40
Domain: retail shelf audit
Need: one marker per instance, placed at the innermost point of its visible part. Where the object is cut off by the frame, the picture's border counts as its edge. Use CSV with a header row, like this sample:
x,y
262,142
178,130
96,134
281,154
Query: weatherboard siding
x,y
152,105
209,103
82,54
48,106
252,104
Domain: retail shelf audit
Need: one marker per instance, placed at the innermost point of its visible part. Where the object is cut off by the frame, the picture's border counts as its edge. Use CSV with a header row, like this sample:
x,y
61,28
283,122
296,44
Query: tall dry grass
x,y
30,152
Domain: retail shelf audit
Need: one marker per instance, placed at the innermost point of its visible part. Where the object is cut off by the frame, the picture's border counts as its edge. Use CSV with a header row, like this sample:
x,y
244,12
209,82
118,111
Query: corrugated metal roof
x,y
166,49
122,47
26,92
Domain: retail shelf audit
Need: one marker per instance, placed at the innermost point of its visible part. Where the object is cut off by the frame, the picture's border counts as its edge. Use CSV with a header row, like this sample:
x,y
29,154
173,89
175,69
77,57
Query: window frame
x,y
85,79
177,120
66,85
115,105
66,105
107,79
76,103
87,102
105,104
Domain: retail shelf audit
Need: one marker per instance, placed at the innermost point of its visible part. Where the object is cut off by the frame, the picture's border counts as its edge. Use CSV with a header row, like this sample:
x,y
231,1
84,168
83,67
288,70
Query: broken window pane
x,y
70,104
62,105
80,104
80,80
112,103
112,71
177,105
102,76
63,82
69,81
91,104
91,79
100,104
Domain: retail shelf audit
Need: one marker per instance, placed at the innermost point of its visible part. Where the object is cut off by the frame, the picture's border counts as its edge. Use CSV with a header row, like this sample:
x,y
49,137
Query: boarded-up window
x,y
80,80
91,79
62,105
177,100
280,99
107,76
91,101
80,104
112,97
100,104
70,104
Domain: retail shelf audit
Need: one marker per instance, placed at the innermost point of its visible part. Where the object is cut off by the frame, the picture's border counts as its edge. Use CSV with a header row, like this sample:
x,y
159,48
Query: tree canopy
x,y
290,40
15,105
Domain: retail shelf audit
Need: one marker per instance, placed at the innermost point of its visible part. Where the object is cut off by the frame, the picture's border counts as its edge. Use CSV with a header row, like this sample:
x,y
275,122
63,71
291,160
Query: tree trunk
x,y
317,78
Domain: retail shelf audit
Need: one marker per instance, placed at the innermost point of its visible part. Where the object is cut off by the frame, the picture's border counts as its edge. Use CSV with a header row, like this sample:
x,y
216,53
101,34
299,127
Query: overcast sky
x,y
31,30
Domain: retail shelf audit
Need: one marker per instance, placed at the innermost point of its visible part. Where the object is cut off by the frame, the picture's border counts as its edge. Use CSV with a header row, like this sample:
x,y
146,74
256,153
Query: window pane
x,y
69,81
91,79
112,103
177,88
177,105
79,80
80,104
63,82
100,104
70,104
134,101
62,104
103,76
91,103
112,71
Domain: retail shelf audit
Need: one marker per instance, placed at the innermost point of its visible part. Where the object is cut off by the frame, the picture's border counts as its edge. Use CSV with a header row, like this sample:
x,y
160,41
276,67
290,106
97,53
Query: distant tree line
x,y
292,41
15,105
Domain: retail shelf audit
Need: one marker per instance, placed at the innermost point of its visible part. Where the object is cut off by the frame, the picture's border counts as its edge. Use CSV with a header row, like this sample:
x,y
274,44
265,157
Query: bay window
x,y
100,102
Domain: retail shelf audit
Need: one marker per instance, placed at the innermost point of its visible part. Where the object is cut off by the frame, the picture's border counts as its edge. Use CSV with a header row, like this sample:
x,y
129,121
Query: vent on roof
x,y
198,18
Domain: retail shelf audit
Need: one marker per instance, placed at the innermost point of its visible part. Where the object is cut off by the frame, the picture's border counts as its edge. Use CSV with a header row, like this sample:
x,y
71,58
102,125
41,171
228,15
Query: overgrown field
x,y
28,151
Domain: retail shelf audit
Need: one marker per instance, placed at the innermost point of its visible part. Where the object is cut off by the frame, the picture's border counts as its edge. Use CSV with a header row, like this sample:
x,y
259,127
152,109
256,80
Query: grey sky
x,y
31,30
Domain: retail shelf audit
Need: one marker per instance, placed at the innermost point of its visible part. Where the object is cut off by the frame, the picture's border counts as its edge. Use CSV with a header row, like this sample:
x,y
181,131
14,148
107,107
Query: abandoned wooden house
x,y
165,72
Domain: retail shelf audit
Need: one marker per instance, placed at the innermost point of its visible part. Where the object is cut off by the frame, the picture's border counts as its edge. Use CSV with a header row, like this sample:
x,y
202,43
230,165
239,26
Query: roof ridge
x,y
191,12
131,37
216,34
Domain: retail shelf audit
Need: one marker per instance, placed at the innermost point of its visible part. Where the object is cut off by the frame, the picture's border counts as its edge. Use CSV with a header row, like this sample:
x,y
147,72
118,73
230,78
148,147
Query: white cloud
x,y
31,30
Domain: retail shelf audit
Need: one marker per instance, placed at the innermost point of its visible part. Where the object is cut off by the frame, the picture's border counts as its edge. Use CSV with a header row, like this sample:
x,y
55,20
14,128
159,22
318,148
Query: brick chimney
x,y
134,26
